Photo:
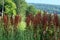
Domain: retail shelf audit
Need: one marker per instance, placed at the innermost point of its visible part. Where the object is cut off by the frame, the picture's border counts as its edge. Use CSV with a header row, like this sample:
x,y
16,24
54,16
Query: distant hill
x,y
47,7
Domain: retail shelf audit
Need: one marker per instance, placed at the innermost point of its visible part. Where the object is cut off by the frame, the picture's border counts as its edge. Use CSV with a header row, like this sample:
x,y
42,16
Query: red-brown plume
x,y
17,19
45,20
34,21
5,19
38,17
56,22
29,18
49,19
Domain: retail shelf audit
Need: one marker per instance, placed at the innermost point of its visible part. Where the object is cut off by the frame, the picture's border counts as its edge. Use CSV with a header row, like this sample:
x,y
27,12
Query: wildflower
x,y
50,20
45,21
29,18
5,19
34,21
56,23
17,19
38,17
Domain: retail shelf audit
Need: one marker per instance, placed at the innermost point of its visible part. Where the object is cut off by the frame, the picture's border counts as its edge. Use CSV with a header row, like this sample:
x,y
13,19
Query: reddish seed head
x,y
56,20
50,19
5,19
17,19
38,17
29,18
45,20
11,20
34,21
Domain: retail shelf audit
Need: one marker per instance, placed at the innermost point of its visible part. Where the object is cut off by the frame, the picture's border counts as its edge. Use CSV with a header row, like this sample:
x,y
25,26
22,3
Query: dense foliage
x,y
21,8
10,7
28,23
31,9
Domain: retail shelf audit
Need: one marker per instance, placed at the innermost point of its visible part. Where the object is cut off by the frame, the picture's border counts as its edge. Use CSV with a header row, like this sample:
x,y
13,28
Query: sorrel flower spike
x,y
5,19
45,21
56,22
38,17
29,18
17,19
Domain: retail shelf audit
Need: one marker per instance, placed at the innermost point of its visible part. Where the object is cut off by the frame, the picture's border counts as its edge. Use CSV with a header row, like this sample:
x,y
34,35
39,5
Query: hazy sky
x,y
54,2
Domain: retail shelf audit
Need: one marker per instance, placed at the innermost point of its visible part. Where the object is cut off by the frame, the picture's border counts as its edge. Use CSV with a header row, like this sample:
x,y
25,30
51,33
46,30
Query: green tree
x,y
10,7
1,5
31,9
21,7
1,1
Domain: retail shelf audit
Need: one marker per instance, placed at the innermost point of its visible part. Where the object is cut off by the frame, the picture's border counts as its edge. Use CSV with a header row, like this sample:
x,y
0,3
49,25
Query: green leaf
x,y
22,26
